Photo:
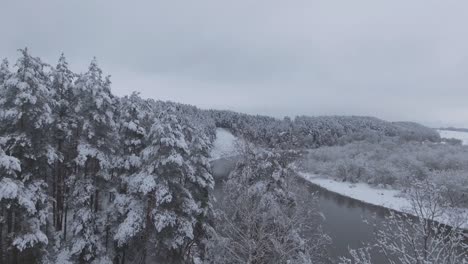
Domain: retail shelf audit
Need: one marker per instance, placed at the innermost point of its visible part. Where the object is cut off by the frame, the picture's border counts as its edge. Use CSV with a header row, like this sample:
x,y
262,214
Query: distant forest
x,y
454,129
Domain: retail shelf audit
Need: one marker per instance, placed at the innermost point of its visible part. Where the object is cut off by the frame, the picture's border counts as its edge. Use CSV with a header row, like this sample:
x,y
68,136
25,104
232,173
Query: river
x,y
344,220
343,216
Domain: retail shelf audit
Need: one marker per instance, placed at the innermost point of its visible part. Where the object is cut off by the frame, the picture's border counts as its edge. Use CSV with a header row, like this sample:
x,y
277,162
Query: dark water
x,y
343,216
343,221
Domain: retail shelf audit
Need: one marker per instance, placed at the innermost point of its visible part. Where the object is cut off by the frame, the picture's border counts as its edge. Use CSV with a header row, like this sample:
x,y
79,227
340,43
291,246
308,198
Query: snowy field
x,y
388,198
224,145
463,136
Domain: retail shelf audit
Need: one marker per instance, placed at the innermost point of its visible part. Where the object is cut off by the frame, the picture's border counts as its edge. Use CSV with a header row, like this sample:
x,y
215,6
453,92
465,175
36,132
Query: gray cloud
x,y
398,60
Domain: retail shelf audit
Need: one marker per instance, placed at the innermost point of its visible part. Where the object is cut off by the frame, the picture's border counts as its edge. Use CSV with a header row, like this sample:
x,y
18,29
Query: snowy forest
x,y
90,177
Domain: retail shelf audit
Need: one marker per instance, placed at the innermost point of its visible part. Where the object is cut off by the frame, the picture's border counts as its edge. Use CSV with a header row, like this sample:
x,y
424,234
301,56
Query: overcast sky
x,y
397,60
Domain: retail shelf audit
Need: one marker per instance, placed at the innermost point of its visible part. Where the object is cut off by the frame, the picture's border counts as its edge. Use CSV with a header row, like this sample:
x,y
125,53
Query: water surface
x,y
343,216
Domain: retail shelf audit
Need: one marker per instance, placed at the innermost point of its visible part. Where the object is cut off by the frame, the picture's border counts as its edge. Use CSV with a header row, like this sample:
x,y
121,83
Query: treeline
x,y
312,132
454,129
86,176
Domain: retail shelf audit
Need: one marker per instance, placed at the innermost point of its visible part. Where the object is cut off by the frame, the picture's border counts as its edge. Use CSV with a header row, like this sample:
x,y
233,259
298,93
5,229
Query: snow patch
x,y
388,198
224,146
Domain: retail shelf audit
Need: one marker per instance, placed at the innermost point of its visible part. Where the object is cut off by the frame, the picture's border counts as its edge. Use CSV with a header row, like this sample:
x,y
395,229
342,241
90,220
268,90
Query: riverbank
x,y
224,145
387,198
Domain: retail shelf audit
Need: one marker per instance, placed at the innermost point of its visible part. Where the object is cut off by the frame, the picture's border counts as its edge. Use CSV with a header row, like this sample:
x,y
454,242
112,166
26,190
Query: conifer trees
x,y
94,165
171,196
64,138
135,120
4,71
26,118
87,177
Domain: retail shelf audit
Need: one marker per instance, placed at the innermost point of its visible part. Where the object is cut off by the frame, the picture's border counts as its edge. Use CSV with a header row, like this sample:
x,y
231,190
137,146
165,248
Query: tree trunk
x,y
61,194
91,203
123,255
54,196
15,228
96,200
9,221
1,240
59,188
146,232
8,234
15,256
107,236
65,223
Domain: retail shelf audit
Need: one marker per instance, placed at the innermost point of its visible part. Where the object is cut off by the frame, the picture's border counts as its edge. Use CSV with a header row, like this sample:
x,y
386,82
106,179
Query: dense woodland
x,y
305,132
89,177
397,164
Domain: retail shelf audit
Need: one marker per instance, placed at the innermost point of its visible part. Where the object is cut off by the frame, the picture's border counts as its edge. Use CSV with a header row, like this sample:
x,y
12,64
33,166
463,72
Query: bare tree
x,y
403,238
259,220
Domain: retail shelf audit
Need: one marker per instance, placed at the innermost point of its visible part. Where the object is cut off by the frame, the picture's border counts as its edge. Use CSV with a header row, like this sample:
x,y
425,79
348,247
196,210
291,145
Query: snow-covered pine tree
x,y
94,163
4,71
65,129
135,118
169,207
201,182
26,117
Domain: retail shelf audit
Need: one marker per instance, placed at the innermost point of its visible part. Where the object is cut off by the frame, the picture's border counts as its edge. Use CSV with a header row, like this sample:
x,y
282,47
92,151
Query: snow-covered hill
x,y
224,145
463,136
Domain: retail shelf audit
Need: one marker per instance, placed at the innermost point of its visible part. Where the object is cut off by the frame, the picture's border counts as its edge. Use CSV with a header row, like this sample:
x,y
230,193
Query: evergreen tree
x,y
65,128
200,183
4,71
64,132
94,164
26,118
169,208
134,123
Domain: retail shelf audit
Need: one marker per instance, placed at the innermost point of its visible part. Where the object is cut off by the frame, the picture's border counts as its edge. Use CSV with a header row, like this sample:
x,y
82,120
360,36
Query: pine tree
x,y
26,118
94,165
200,183
167,207
64,136
4,71
134,123
65,133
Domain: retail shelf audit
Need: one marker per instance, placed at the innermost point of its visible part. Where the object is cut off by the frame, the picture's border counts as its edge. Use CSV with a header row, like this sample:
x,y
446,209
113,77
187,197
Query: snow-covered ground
x,y
463,136
224,145
388,198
